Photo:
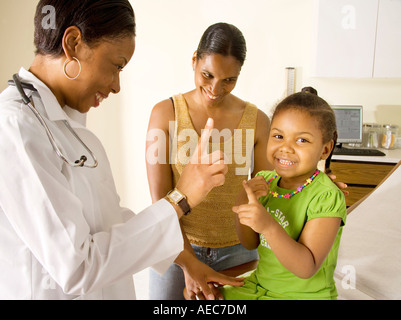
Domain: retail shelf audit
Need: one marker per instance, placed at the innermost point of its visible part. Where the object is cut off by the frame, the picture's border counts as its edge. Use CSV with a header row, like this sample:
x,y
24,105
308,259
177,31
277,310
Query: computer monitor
x,y
349,123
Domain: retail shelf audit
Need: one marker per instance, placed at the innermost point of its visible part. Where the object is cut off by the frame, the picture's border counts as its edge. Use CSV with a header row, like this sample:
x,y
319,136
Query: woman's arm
x,y
249,238
260,148
160,175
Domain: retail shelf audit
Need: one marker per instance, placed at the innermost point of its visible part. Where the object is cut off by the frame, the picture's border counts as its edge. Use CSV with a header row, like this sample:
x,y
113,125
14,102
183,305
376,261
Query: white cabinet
x,y
358,39
387,61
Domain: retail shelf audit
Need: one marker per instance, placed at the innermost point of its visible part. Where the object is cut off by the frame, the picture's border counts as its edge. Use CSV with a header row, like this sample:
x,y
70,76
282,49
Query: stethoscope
x,y
78,163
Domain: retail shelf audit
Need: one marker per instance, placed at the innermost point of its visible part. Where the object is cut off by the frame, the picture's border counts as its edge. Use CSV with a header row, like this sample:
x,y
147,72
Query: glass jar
x,y
371,135
389,134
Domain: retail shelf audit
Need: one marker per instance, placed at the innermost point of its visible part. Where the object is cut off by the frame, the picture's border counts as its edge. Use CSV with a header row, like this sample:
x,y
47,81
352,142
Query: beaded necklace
x,y
299,189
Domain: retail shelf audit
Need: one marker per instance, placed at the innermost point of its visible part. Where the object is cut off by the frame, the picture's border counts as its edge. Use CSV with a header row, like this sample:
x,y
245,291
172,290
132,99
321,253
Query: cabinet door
x,y
388,41
346,38
361,177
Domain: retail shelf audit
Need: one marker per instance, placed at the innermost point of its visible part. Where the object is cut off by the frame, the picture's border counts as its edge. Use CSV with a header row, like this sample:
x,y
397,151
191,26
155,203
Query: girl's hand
x,y
253,214
259,186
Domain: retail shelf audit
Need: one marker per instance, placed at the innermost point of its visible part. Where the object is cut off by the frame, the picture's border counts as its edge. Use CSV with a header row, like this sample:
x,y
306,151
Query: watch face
x,y
176,196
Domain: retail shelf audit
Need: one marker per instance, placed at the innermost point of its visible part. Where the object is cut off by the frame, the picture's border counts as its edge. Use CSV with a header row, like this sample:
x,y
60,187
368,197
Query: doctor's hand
x,y
202,282
204,171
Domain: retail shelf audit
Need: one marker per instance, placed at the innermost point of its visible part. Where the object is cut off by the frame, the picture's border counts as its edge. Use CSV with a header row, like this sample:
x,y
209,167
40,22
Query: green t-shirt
x,y
321,198
271,280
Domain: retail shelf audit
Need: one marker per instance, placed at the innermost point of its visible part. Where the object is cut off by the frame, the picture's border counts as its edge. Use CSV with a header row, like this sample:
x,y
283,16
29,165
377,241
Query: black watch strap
x,y
184,206
179,199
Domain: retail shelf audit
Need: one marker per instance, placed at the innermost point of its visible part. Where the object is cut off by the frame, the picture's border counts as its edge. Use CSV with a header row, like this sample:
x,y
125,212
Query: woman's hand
x,y
201,281
340,185
204,171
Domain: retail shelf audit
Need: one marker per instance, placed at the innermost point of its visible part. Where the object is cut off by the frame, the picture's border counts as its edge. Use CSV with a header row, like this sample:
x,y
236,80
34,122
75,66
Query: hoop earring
x,y
65,65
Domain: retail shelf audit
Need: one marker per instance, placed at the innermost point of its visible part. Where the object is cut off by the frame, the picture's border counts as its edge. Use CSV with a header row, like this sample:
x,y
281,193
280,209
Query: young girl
x,y
297,222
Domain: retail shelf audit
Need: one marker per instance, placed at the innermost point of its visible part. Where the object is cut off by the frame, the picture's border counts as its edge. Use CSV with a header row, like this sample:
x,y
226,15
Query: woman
x,y
209,231
63,233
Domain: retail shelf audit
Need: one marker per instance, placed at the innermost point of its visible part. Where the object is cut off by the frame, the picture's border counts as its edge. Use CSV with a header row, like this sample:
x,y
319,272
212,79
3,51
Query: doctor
x,y
63,234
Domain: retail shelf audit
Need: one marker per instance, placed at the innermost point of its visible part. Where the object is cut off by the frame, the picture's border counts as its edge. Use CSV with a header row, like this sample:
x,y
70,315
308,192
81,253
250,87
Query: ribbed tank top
x,y
212,222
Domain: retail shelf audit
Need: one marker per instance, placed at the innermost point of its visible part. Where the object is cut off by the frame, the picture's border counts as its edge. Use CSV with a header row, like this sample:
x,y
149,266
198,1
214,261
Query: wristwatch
x,y
178,198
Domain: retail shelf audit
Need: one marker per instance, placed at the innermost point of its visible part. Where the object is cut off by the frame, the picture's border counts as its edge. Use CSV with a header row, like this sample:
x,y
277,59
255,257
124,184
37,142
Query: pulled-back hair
x,y
225,39
316,107
97,20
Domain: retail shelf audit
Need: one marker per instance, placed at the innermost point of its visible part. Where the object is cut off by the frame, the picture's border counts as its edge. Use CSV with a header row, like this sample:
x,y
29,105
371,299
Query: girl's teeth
x,y
286,162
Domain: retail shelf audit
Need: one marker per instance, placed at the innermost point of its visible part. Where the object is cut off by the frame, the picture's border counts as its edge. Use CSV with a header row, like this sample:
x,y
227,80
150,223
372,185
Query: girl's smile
x,y
285,163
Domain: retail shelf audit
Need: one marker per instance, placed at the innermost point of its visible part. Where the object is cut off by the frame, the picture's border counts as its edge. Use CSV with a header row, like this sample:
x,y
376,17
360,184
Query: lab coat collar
x,y
51,105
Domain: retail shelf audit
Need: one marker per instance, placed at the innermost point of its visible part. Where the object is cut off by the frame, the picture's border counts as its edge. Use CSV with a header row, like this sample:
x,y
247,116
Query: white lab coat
x,y
63,234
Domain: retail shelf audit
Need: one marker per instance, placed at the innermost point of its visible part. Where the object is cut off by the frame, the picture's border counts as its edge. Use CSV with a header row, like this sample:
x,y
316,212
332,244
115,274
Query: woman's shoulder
x,y
162,113
164,108
249,107
263,120
261,117
262,128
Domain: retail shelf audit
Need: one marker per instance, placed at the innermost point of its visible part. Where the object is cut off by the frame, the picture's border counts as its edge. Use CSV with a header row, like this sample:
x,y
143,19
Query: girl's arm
x,y
303,257
247,236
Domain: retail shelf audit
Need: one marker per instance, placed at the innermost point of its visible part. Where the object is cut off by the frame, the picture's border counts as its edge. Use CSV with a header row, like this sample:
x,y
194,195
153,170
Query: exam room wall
x,y
278,33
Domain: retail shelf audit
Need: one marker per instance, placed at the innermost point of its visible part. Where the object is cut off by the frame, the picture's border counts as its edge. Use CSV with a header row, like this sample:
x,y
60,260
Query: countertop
x,y
392,156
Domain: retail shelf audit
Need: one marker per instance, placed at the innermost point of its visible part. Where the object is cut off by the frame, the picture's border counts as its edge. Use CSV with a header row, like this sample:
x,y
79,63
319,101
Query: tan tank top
x,y
212,223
